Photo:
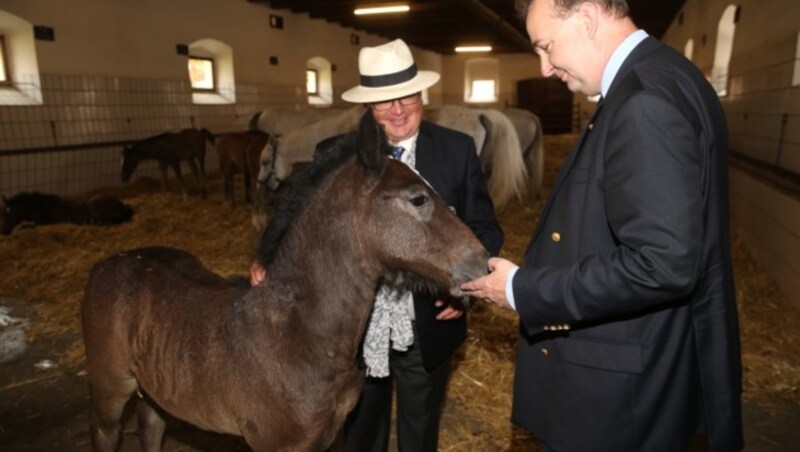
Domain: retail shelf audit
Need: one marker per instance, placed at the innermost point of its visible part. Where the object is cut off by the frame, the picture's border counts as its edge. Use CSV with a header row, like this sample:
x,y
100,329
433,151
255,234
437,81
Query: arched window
x,y
323,80
21,84
210,70
688,49
796,75
481,80
722,54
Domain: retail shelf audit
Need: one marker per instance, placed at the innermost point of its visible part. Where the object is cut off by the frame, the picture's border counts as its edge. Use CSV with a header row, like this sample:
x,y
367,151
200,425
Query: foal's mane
x,y
298,189
371,145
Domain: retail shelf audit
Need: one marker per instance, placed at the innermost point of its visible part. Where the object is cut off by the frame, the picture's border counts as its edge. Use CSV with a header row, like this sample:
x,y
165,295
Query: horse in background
x,y
34,209
296,147
531,140
498,147
170,149
495,136
280,120
275,363
240,152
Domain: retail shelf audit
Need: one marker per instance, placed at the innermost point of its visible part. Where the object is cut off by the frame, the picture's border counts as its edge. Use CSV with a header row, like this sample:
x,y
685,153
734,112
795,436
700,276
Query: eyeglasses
x,y
407,101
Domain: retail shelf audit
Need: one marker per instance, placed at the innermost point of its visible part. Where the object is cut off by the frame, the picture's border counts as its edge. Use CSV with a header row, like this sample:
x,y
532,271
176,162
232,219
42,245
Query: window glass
x,y
311,81
482,91
201,73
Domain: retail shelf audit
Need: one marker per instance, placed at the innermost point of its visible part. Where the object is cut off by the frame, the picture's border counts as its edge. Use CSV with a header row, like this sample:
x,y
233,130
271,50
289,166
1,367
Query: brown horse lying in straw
x,y
240,152
170,149
34,209
276,363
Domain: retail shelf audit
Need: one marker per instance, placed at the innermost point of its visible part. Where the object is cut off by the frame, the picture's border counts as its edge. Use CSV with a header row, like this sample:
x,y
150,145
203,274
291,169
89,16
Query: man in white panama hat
x,y
412,337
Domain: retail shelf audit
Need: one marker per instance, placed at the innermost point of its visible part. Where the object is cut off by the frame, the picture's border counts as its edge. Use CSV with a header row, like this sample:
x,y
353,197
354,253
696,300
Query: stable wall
x,y
763,111
113,75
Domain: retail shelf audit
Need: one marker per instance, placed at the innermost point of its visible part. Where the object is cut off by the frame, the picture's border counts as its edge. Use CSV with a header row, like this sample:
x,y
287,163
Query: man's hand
x,y
454,309
492,287
257,273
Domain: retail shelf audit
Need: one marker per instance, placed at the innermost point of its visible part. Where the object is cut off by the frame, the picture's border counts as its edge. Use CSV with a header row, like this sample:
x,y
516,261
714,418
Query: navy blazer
x,y
447,159
629,330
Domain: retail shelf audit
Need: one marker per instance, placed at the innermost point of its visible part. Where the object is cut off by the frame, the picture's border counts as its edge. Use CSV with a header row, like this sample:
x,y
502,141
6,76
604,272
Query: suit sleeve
x,y
654,206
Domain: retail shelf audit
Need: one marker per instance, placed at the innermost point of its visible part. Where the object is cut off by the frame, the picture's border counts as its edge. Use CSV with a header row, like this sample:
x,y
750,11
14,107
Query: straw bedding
x,y
48,267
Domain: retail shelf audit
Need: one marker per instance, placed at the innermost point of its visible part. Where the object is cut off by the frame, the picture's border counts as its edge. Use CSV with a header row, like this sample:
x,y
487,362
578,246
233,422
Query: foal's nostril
x,y
472,263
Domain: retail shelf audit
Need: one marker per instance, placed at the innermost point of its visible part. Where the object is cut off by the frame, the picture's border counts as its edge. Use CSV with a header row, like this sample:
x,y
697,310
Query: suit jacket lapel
x,y
562,174
425,158
640,52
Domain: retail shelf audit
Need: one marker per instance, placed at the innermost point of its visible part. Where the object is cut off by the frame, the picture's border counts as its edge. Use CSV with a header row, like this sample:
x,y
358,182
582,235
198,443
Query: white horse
x,y
496,142
279,120
529,131
297,145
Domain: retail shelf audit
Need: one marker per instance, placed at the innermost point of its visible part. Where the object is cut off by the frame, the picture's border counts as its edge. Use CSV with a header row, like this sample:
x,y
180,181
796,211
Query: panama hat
x,y
388,72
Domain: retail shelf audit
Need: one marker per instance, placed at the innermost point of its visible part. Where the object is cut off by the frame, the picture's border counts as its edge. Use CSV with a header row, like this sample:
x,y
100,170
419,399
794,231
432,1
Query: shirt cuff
x,y
510,288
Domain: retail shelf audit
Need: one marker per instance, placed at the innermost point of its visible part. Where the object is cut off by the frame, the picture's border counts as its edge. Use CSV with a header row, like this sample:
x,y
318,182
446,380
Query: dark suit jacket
x,y
448,161
628,322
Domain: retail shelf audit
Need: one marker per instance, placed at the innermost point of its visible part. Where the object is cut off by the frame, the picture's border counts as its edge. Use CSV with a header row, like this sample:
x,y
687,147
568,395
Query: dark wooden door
x,y
550,100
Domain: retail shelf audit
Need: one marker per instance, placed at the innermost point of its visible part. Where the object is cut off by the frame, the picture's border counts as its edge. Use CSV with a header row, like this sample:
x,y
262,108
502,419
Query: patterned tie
x,y
397,152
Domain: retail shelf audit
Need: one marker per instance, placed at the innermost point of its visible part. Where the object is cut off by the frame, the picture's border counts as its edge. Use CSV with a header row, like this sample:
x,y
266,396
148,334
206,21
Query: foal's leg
x,y
247,188
151,426
230,193
198,175
163,168
109,398
176,167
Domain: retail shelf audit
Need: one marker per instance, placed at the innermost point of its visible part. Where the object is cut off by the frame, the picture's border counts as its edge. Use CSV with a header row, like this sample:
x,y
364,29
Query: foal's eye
x,y
419,200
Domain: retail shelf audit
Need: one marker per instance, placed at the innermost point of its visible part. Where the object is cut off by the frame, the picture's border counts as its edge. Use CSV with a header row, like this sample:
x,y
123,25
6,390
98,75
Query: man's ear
x,y
589,15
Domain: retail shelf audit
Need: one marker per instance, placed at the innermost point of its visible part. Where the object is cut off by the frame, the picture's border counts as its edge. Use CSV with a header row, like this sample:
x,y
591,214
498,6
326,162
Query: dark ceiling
x,y
441,25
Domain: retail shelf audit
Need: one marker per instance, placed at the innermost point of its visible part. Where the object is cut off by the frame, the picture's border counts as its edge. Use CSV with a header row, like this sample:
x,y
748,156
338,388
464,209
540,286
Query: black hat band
x,y
395,78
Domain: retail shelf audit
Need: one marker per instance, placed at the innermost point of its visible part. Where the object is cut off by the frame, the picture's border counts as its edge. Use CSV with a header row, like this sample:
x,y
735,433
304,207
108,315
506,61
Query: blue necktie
x,y
397,152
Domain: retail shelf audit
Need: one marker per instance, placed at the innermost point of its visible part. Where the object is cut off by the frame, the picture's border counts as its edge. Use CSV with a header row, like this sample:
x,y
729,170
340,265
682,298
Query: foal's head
x,y
386,209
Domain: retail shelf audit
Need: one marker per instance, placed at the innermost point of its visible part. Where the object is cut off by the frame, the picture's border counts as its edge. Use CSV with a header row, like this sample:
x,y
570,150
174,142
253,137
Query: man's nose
x,y
396,107
547,68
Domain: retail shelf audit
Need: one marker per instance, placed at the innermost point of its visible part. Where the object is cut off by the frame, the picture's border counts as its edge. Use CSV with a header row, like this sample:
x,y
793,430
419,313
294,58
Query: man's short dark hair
x,y
566,7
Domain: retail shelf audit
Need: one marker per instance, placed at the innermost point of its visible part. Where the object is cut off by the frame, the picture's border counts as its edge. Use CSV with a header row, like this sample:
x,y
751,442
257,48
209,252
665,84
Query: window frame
x,y
213,88
5,60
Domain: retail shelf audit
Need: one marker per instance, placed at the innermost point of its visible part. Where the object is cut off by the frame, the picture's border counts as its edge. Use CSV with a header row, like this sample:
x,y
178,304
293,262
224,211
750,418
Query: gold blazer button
x,y
556,237
545,352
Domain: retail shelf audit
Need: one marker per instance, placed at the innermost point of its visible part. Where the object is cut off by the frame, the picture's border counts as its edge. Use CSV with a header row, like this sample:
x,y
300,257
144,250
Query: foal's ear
x,y
373,146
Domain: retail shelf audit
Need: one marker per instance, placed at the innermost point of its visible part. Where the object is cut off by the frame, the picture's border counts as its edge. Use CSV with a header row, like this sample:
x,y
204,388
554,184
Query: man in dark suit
x,y
629,334
412,337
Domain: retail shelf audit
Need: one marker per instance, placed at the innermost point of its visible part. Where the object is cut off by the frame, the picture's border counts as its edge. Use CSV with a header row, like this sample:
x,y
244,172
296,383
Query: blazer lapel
x,y
562,175
425,159
645,48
